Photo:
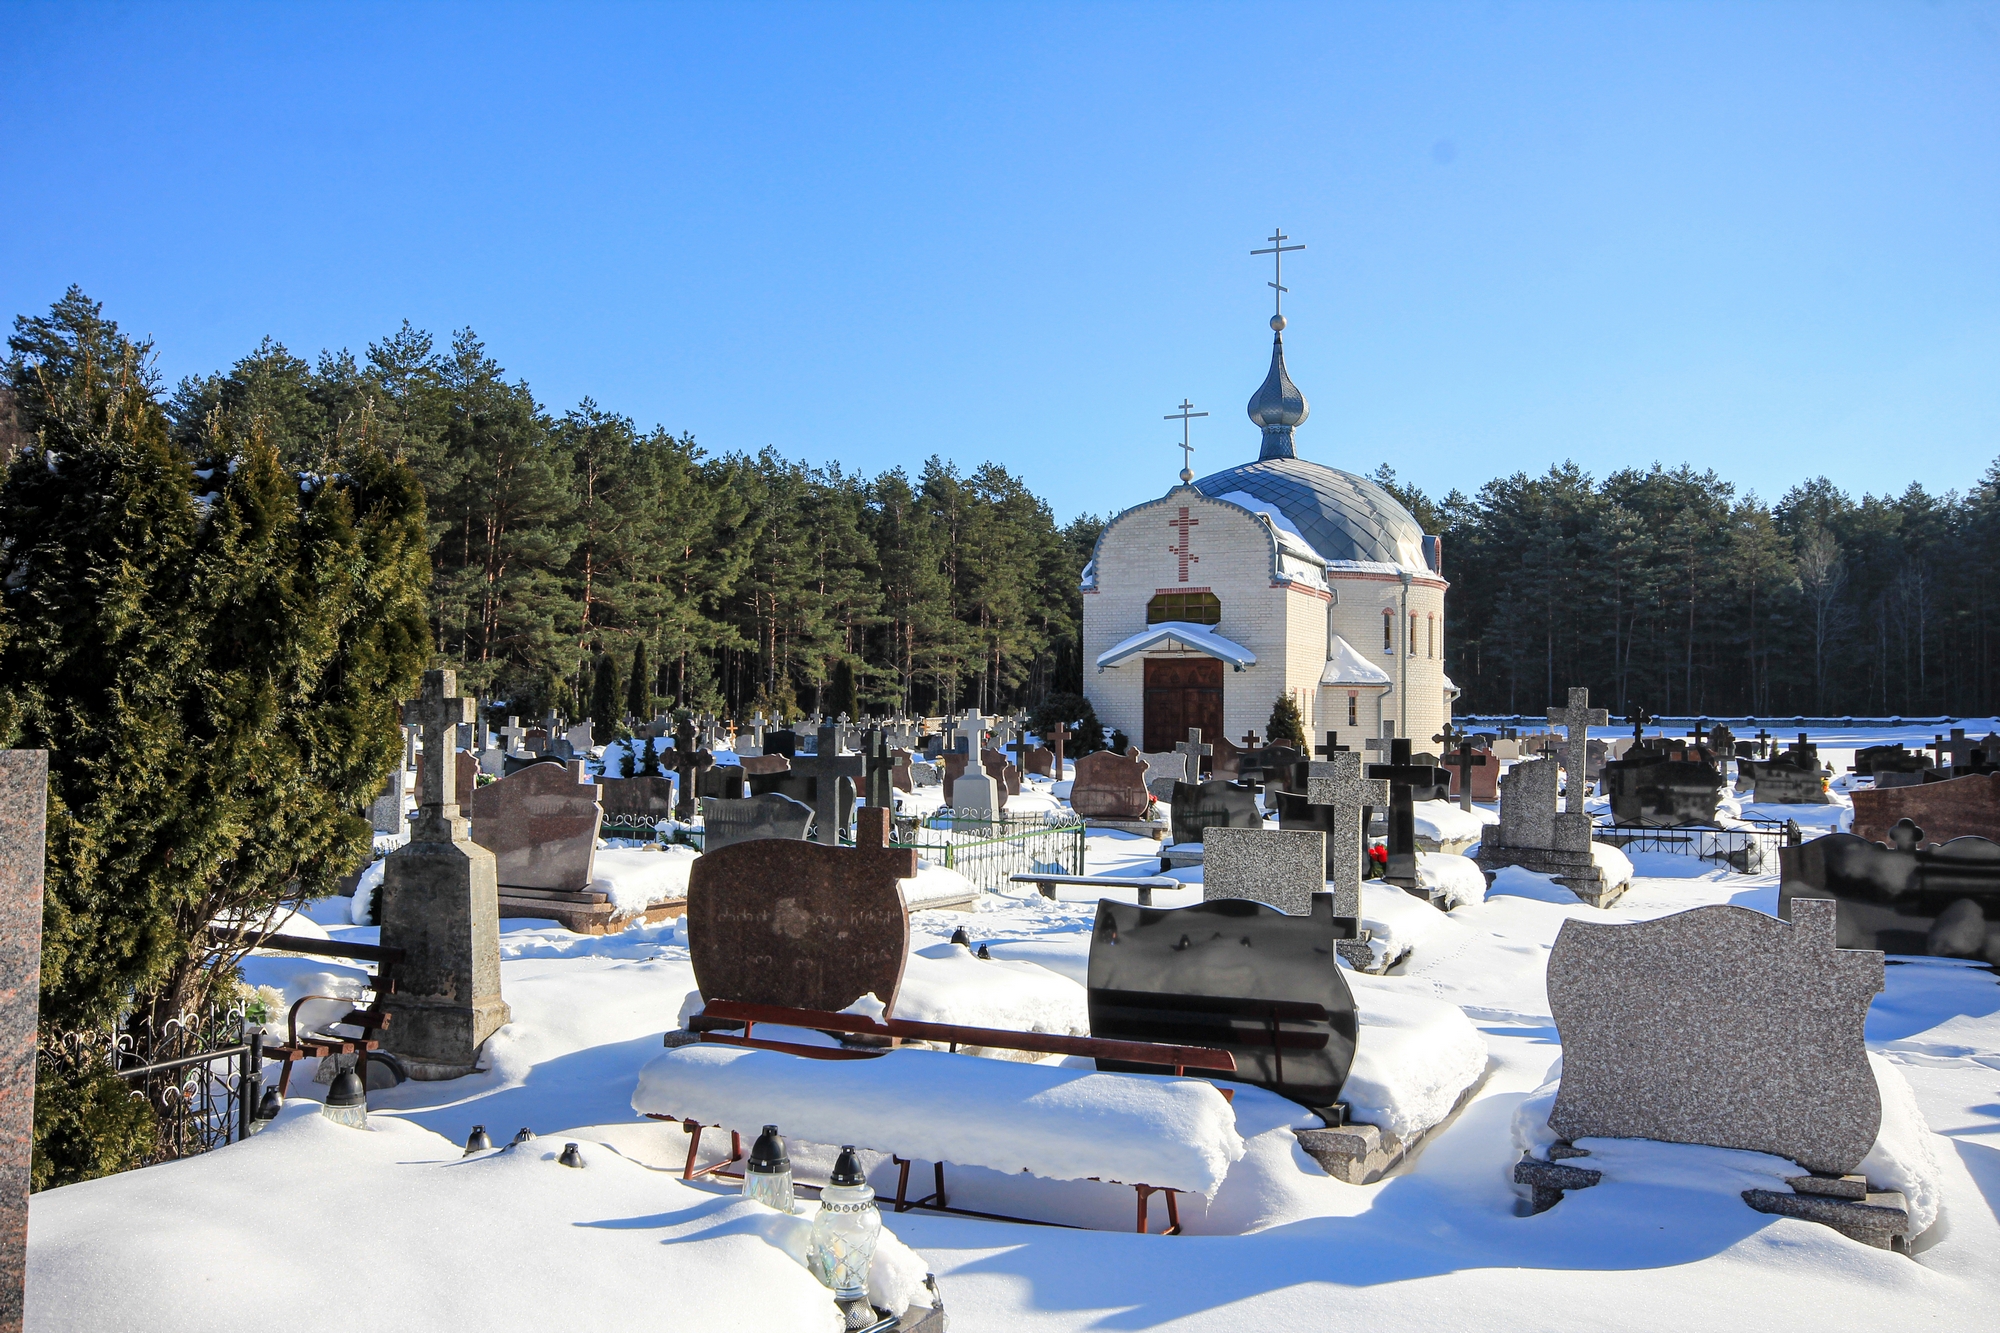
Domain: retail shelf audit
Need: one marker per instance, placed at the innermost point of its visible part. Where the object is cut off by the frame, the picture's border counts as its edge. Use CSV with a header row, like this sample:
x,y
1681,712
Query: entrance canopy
x,y
1178,634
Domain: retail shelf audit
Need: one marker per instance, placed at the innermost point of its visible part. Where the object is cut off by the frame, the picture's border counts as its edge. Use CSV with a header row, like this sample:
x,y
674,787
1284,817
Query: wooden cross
x,y
1195,752
1184,552
826,768
1577,720
438,711
1059,735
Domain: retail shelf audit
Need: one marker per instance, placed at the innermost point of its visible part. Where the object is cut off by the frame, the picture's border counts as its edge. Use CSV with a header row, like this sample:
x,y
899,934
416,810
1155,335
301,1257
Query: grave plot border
x,y
1765,835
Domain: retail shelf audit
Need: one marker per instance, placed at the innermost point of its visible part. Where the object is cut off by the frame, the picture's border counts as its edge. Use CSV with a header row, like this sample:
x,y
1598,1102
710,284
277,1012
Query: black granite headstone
x,y
1214,804
1902,898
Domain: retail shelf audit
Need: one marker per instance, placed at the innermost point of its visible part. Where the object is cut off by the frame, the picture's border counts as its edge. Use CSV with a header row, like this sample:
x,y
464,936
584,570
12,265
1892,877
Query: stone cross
x,y
1380,745
24,795
511,734
440,905
438,713
1195,752
1640,720
1351,796
689,764
1763,743
1467,760
879,765
1577,719
827,766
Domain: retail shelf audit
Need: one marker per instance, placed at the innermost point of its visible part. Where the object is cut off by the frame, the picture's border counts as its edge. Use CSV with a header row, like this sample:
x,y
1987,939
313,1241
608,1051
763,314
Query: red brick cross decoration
x,y
1184,551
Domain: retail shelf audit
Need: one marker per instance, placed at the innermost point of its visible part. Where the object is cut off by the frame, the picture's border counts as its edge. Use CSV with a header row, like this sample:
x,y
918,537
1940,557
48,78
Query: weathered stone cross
x,y
689,764
1195,752
1351,797
875,756
511,734
438,712
827,767
1577,719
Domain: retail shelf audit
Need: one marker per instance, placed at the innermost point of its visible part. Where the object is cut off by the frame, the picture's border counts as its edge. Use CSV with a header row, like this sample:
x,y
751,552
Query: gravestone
x,y
901,777
1163,769
761,766
688,762
1223,763
1040,761
541,825
636,800
723,781
582,737
978,795
800,924
1346,797
1408,783
783,741
1694,1028
24,796
1200,806
1194,754
924,773
1002,772
1891,765
951,768
828,786
1534,835
726,823
1109,786
1274,766
1576,718
880,765
1279,868
390,812
468,771
1782,782
440,905
1234,975
1647,787
1956,808
1905,897
1479,766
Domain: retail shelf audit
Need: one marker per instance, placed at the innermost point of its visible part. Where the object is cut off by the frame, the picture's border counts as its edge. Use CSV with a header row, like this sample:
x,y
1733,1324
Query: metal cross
x,y
1187,447
1278,250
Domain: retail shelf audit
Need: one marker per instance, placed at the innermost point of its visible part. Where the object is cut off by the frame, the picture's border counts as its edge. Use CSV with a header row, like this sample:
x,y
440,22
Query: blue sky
x,y
1762,238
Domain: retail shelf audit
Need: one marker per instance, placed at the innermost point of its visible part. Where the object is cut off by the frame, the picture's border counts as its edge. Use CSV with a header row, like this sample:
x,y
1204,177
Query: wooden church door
x,y
1181,692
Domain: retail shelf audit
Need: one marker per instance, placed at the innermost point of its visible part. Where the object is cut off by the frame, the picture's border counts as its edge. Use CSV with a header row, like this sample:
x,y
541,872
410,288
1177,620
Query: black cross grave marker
x,y
1467,760
689,764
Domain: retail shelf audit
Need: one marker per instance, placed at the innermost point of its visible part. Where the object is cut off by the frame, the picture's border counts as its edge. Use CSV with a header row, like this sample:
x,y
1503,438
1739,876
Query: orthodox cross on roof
x,y
1184,552
1183,416
1278,250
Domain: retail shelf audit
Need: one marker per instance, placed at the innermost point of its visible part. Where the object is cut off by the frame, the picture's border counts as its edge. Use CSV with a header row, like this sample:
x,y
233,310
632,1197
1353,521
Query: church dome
x,y
1343,516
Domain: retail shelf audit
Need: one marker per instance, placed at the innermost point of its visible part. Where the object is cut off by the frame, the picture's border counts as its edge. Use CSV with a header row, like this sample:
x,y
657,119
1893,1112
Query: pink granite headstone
x,y
24,797
541,825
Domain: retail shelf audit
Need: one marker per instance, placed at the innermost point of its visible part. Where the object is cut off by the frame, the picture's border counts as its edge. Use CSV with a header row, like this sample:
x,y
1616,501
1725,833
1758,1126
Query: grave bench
x,y
960,1111
1145,884
319,1045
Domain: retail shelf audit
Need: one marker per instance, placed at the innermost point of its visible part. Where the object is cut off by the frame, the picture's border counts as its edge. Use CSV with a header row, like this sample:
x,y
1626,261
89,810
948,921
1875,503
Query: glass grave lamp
x,y
767,1175
844,1233
347,1101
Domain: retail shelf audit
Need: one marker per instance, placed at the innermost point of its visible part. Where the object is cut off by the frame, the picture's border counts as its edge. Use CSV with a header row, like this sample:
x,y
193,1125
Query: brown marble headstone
x,y
1109,786
1485,777
1001,771
1041,761
1721,1026
639,798
800,924
1956,808
1227,761
953,768
541,826
24,797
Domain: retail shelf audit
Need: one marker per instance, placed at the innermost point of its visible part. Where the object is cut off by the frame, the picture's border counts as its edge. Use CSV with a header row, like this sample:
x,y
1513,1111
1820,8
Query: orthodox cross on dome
x,y
1278,250
1184,552
1187,447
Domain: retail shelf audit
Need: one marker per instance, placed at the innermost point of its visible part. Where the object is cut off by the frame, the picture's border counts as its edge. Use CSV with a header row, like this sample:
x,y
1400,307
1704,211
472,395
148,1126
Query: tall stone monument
x,y
441,907
24,800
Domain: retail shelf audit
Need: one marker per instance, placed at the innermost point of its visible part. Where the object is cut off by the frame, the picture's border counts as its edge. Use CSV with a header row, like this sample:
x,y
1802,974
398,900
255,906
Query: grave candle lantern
x,y
844,1232
767,1176
347,1101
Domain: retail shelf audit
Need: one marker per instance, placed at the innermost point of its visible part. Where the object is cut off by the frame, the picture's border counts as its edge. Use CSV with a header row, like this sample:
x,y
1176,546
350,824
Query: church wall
x,y
1357,615
1232,550
1305,658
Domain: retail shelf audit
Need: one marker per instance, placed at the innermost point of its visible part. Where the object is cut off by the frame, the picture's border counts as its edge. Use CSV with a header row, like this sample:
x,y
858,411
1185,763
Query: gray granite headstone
x,y
1348,793
977,794
727,822
1528,803
1163,770
1277,867
1721,1026
390,812
24,797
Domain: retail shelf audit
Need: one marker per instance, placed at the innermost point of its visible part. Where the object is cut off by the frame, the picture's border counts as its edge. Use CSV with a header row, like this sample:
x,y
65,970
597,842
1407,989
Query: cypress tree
x,y
639,689
604,693
1286,727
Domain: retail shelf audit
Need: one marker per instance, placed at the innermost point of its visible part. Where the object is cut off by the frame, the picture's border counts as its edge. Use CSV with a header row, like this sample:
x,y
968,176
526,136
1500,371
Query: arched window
x,y
1193,608
1353,707
1430,636
1411,642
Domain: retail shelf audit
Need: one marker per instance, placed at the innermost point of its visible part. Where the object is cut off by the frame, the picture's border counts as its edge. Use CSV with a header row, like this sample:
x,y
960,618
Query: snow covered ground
x,y
1665,1242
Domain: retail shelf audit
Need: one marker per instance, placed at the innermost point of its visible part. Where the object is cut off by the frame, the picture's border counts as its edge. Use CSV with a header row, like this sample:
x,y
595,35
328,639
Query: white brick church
x,y
1281,576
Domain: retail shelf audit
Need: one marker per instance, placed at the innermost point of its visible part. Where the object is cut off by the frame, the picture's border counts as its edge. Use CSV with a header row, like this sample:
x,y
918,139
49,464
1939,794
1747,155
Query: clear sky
x,y
1762,238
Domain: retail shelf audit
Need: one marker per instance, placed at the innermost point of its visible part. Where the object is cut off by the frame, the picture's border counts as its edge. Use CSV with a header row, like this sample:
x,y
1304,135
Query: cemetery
x,y
876,842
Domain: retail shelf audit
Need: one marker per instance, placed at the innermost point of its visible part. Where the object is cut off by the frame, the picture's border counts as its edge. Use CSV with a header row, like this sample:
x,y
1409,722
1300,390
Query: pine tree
x,y
1286,727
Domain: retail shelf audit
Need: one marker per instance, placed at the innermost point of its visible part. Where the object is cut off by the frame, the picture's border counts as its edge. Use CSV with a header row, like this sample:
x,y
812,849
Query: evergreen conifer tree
x,y
604,694
1286,727
639,689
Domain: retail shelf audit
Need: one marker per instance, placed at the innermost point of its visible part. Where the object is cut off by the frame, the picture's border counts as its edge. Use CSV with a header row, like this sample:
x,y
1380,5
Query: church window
x,y
1411,643
1353,707
1193,608
1388,630
1430,636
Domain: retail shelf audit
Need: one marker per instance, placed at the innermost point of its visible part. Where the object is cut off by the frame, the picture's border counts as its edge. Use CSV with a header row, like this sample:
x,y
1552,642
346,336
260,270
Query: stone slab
x,y
1281,868
1881,1220
1362,1154
779,921
24,796
1720,1026
541,824
726,823
1955,808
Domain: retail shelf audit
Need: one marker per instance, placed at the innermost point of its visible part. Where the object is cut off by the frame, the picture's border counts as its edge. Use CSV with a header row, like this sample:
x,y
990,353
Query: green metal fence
x,y
986,851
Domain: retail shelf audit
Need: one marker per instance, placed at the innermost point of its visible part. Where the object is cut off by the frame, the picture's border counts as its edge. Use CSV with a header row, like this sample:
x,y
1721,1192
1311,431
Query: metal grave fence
x,y
1749,848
